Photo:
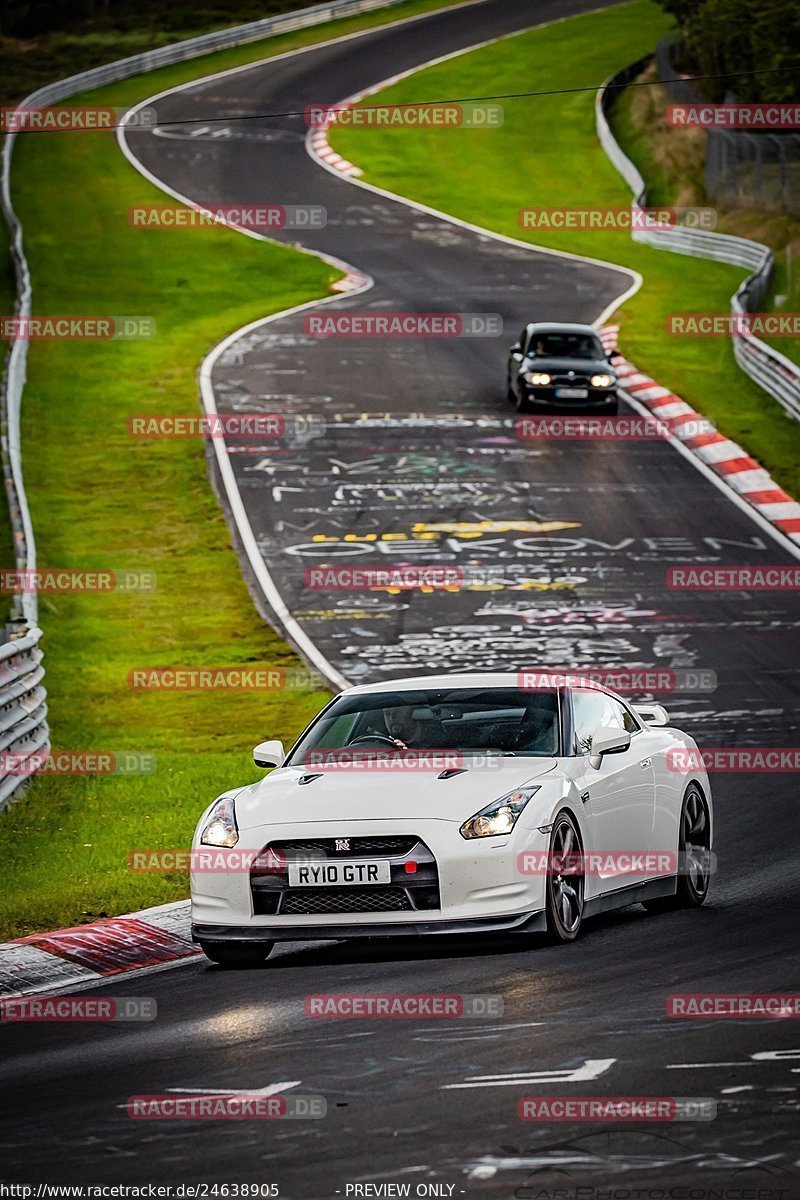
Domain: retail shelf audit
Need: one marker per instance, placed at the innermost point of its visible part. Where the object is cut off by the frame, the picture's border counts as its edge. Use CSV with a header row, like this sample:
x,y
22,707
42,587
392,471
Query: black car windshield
x,y
469,720
565,345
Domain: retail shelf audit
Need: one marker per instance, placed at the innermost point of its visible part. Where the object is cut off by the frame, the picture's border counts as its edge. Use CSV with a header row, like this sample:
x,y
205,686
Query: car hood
x,y
581,366
381,795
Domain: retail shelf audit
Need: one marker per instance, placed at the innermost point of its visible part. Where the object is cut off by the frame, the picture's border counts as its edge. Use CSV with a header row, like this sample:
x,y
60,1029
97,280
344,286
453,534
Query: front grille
x,y
345,900
565,381
389,846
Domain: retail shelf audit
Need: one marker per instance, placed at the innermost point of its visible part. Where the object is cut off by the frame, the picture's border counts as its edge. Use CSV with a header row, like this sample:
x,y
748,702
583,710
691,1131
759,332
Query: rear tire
x,y
564,890
694,850
237,954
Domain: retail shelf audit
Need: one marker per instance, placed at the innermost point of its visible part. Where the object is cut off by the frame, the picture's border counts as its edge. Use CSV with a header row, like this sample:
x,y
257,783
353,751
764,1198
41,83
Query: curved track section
x,y
418,443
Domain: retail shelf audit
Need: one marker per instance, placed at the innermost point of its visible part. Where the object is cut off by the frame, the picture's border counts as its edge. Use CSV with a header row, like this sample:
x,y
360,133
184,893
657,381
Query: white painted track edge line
x,y
418,206
263,576
269,588
719,482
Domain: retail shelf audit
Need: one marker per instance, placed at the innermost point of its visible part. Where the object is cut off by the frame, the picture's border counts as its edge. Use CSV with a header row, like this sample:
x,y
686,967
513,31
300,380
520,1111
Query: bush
x,y
742,35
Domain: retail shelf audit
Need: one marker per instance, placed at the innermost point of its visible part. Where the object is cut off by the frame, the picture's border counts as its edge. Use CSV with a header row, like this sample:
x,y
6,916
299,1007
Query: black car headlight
x,y
601,381
500,816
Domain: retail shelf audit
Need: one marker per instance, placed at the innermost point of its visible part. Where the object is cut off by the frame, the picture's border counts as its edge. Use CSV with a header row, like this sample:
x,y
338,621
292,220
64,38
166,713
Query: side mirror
x,y
269,754
612,354
652,714
606,740
516,349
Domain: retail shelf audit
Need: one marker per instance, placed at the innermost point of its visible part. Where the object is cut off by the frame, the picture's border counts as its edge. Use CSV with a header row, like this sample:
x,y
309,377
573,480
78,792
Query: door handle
x,y
645,763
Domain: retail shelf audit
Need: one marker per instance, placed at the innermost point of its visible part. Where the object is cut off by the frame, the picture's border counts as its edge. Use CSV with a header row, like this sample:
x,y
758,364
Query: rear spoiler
x,y
652,714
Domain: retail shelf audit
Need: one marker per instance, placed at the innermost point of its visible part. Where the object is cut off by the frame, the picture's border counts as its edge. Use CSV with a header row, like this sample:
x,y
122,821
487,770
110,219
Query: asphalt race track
x,y
419,439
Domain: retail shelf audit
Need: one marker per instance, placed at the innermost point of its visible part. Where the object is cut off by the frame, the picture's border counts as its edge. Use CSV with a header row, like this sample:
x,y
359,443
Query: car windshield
x,y
564,345
468,720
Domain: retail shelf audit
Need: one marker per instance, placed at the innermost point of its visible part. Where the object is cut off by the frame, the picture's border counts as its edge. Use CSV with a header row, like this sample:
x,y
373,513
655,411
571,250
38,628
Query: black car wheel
x,y
694,855
564,887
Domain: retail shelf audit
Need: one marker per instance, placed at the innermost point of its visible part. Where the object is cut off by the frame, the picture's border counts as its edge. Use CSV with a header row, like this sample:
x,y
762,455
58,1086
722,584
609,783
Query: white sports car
x,y
509,803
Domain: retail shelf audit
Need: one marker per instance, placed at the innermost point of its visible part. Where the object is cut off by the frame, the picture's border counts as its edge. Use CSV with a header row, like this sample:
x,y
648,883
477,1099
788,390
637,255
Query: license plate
x,y
572,393
338,874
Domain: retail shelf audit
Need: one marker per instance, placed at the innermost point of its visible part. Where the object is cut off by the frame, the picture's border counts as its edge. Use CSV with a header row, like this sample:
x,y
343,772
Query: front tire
x,y
694,855
235,955
564,889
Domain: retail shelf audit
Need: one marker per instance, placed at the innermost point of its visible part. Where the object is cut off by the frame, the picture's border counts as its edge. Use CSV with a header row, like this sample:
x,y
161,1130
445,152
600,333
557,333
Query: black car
x,y
561,367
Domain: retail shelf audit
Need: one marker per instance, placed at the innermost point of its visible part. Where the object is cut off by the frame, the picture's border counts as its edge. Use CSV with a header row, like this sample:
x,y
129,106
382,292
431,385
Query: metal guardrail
x,y
23,708
771,370
23,711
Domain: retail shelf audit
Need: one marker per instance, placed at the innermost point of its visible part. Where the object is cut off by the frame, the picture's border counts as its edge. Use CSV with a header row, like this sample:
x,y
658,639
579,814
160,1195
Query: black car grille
x,y
565,381
345,900
405,891
389,846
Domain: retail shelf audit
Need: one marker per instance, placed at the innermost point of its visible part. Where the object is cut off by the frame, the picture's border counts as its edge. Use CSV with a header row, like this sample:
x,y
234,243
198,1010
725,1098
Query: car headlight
x,y
500,816
601,381
538,377
220,829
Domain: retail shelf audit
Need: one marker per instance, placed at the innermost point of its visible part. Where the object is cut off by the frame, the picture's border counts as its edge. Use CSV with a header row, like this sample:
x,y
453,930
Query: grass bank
x,y
101,500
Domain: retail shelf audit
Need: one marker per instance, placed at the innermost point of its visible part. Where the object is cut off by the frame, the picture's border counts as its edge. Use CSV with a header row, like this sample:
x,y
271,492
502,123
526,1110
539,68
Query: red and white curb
x,y
69,957
323,149
732,465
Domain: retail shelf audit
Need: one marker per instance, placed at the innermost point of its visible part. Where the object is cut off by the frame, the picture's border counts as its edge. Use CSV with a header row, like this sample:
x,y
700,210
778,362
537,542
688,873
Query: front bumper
x,y
458,886
546,397
535,922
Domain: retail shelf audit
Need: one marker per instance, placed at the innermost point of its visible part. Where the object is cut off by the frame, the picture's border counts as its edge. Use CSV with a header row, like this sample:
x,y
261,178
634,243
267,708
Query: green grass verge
x,y
547,154
101,500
